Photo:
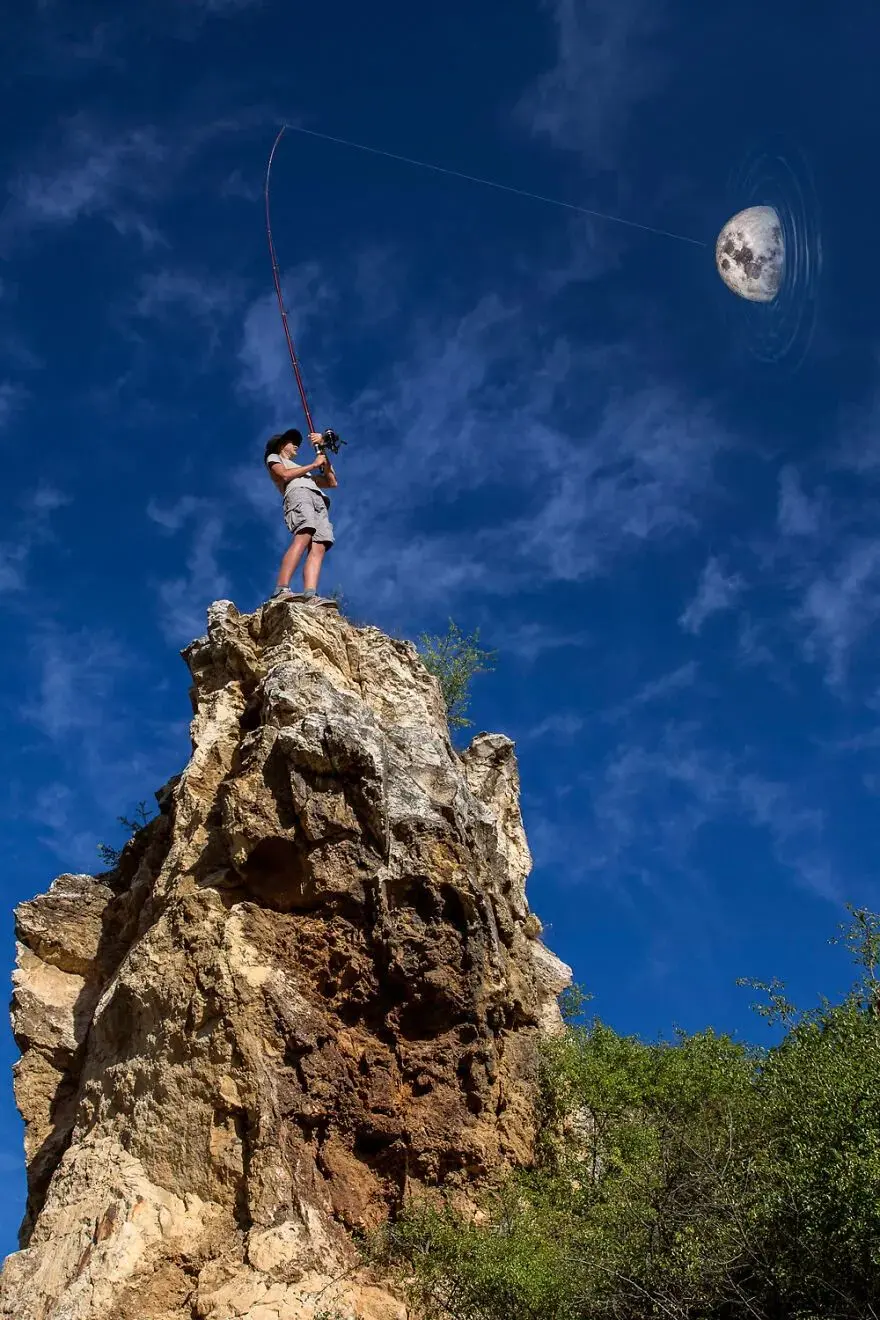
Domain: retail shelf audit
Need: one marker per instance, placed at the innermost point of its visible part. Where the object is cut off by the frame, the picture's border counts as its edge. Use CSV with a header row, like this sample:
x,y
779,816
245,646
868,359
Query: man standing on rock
x,y
305,512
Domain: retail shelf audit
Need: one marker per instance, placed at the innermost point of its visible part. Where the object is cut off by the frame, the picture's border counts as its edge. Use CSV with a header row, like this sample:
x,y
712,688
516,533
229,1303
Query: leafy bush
x,y
455,659
701,1179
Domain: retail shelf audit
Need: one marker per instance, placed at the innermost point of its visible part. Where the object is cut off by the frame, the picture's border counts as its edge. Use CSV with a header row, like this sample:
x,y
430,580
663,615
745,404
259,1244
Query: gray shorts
x,y
306,511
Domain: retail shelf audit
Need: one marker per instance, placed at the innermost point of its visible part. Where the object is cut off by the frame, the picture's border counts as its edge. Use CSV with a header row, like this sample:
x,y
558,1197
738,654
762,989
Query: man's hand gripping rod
x,y
329,441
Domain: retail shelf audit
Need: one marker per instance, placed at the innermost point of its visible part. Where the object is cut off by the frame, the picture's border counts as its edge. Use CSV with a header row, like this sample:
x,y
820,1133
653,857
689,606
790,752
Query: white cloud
x,y
167,292
236,185
754,648
12,397
94,172
77,672
796,831
841,607
171,517
45,499
12,567
57,814
656,691
639,475
716,592
657,793
28,533
103,753
607,64
183,600
798,514
265,365
560,726
531,640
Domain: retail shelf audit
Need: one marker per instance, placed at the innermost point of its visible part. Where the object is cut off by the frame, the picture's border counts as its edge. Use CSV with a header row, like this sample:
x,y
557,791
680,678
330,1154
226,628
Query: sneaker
x,y
282,593
327,602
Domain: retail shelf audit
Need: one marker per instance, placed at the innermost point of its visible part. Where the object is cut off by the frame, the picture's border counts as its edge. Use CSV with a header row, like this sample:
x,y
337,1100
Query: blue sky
x,y
554,435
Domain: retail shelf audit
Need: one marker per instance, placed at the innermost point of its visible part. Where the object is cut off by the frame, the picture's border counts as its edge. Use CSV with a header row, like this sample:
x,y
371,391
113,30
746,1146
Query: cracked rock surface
x,y
311,988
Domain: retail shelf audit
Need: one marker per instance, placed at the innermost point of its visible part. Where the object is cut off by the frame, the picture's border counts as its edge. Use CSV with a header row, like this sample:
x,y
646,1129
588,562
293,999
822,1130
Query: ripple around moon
x,y
781,331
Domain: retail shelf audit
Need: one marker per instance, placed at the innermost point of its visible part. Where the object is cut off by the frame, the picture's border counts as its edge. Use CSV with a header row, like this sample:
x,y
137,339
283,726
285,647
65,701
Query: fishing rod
x,y
329,439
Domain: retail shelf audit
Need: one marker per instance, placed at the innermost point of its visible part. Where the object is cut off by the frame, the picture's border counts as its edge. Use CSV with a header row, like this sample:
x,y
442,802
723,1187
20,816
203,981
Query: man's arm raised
x,y
327,479
282,475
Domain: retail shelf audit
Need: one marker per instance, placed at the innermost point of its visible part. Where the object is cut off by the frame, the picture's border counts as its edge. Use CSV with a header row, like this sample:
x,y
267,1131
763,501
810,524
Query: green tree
x,y
455,659
699,1178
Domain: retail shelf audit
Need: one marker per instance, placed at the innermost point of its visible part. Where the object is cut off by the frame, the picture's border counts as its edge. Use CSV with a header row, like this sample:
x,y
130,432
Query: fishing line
x,y
491,183
330,436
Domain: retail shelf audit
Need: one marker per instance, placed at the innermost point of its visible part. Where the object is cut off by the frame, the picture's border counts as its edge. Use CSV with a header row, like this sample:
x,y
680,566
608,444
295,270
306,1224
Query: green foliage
x,y
142,816
698,1178
861,936
573,1004
455,659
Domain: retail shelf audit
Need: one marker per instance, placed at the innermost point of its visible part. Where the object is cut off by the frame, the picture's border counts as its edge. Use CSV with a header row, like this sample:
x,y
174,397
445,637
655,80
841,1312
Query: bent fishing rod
x,y
329,439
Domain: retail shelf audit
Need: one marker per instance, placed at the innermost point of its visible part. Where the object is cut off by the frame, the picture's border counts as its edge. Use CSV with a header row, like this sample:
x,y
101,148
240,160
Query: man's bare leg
x,y
292,556
312,569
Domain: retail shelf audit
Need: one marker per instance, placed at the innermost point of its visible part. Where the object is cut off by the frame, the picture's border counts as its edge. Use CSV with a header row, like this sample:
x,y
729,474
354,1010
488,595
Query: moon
x,y
750,254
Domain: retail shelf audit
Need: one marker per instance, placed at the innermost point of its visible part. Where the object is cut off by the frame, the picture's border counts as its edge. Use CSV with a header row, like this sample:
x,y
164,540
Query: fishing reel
x,y
329,441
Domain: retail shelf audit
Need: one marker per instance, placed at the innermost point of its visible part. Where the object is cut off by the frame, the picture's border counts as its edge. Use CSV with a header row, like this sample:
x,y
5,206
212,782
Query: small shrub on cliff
x,y
455,660
700,1179
142,816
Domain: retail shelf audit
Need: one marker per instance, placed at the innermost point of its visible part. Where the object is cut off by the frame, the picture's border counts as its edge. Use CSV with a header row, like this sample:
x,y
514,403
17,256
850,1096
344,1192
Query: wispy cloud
x,y
798,513
607,64
168,292
716,592
656,691
171,517
76,675
199,308
264,363
658,792
796,830
561,726
826,555
104,752
92,169
44,500
815,579
12,396
27,533
531,639
841,607
66,49
57,814
637,476
184,599
92,172
12,567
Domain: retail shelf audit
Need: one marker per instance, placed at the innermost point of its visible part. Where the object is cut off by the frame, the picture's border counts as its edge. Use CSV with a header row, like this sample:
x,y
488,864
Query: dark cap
x,y
277,442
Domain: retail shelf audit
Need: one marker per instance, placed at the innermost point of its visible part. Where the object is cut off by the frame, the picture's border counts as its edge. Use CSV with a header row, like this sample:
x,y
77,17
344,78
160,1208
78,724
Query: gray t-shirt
x,y
308,482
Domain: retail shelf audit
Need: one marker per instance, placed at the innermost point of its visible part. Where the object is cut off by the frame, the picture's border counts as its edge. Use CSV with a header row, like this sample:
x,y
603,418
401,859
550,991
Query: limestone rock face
x,y
311,988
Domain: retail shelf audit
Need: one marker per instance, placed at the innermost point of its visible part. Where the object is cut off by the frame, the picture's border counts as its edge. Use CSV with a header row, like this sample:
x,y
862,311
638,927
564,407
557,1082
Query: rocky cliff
x,y
311,988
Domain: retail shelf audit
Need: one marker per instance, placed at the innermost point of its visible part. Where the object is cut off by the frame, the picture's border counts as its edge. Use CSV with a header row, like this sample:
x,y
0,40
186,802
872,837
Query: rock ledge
x,y
311,988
